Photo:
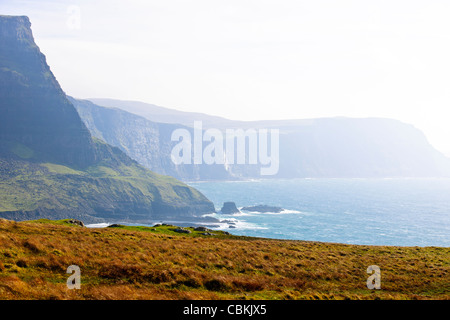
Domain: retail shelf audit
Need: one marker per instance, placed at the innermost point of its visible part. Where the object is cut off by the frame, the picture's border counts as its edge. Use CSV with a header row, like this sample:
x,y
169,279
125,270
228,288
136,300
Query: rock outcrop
x,y
229,208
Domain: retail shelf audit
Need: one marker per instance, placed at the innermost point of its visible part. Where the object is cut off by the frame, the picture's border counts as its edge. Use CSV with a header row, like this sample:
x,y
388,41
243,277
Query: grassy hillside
x,y
159,263
112,189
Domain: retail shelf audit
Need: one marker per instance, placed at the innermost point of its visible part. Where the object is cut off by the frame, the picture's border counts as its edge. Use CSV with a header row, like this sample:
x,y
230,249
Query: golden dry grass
x,y
117,263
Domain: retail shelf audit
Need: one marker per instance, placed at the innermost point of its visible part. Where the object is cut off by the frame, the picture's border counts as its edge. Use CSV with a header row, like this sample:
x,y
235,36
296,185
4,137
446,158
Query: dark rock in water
x,y
263,208
115,225
228,221
231,227
76,222
229,208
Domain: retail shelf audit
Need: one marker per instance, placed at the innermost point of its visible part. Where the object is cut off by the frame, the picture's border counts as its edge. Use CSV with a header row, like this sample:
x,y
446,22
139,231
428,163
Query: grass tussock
x,y
158,263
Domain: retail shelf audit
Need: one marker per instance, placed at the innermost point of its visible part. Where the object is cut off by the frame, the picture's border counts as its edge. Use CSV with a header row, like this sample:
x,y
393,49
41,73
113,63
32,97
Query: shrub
x,y
21,263
159,276
32,246
192,283
217,284
120,272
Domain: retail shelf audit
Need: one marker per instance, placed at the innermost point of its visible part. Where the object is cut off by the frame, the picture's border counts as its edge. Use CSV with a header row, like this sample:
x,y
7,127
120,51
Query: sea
x,y
399,212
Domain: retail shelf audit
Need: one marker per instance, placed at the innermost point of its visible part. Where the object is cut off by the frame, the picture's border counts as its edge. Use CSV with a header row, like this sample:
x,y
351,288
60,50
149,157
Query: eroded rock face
x,y
182,230
147,142
76,222
229,208
34,109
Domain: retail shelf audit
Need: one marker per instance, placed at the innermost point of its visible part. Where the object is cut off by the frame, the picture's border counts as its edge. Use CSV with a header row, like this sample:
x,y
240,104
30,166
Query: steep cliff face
x,y
358,148
35,112
51,167
328,147
147,142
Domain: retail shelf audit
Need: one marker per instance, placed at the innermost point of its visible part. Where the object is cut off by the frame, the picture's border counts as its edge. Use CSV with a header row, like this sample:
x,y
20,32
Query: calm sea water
x,y
404,212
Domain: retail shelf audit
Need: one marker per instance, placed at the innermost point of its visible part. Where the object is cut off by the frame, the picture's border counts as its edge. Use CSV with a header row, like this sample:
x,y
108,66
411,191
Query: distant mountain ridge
x,y
163,115
325,147
51,167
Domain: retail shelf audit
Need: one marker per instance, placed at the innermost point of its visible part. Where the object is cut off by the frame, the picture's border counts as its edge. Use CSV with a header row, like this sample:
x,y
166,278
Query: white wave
x,y
289,211
227,220
98,225
219,215
212,214
284,211
238,225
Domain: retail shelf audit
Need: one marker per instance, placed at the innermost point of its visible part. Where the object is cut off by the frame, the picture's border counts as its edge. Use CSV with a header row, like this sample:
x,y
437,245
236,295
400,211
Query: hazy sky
x,y
255,60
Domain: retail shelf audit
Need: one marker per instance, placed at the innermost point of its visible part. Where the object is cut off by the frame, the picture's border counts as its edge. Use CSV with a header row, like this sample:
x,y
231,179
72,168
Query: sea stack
x,y
229,208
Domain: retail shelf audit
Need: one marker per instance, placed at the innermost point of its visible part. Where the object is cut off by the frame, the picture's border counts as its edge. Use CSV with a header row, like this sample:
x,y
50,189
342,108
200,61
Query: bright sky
x,y
253,60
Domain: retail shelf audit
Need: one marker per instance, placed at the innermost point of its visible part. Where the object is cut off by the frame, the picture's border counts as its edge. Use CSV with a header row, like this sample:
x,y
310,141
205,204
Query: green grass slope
x,y
111,190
